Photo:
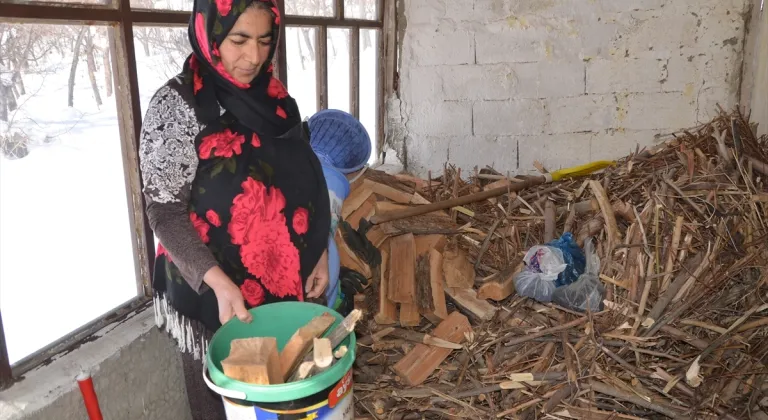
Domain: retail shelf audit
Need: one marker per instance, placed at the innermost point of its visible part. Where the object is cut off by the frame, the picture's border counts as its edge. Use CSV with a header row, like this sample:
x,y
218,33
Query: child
x,y
343,147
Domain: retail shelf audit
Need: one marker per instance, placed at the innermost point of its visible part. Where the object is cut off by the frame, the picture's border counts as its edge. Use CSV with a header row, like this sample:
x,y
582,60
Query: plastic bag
x,y
531,284
586,292
573,257
546,261
543,264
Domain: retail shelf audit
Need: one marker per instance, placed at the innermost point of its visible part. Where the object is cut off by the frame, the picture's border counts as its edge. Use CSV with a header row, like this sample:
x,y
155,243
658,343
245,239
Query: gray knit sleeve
x,y
168,162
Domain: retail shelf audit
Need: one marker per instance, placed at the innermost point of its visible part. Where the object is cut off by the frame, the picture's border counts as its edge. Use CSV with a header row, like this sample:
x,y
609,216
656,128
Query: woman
x,y
234,193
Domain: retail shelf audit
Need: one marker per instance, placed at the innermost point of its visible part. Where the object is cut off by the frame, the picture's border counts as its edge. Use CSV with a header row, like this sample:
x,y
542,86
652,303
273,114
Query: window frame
x,y
120,19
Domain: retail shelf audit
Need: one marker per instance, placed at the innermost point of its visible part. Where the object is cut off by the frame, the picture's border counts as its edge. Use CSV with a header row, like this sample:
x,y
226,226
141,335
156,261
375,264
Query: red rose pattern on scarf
x,y
276,89
258,225
198,81
252,292
224,6
213,218
301,221
201,226
223,144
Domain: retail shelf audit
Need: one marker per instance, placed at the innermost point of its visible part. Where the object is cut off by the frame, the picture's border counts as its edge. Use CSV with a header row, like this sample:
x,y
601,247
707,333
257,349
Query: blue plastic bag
x,y
573,257
588,291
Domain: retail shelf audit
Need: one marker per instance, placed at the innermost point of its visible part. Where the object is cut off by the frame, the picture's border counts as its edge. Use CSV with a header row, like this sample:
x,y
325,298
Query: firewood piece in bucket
x,y
322,354
254,361
341,352
338,334
301,342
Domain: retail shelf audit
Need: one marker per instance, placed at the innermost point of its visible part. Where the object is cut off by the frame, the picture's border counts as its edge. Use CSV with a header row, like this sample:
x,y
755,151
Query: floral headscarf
x,y
263,105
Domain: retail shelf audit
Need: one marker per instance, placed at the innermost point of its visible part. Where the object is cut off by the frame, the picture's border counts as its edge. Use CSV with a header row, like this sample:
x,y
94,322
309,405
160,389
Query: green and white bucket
x,y
327,395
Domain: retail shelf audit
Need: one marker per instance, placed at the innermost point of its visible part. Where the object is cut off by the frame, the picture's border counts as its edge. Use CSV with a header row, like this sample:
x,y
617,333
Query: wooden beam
x,y
126,83
354,72
386,77
328,21
6,375
70,14
282,54
321,62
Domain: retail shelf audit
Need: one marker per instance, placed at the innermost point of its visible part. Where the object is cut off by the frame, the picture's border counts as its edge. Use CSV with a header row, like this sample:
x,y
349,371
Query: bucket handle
x,y
236,395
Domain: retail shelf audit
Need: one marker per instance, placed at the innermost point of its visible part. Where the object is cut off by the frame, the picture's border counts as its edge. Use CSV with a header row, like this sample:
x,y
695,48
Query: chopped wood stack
x,y
681,231
256,360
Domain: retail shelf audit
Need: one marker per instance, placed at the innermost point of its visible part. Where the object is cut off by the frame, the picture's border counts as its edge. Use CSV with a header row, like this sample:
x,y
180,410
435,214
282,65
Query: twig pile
x,y
681,232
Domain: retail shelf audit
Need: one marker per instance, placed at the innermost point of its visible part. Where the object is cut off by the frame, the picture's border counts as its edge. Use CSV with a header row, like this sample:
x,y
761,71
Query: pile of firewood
x,y
682,234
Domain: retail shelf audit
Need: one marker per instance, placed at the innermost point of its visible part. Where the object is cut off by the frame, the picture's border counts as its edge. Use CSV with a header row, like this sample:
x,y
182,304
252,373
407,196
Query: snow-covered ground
x,y
65,244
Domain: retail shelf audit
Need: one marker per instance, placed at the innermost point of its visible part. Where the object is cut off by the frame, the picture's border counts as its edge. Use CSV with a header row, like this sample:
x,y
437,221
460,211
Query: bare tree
x,y
91,65
73,68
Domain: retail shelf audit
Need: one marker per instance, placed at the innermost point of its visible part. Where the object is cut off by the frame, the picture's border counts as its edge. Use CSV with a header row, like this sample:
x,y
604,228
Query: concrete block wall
x,y
506,83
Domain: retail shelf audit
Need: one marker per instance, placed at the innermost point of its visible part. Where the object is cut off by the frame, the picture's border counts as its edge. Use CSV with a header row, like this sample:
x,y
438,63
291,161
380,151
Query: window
x,y
333,62
65,231
76,251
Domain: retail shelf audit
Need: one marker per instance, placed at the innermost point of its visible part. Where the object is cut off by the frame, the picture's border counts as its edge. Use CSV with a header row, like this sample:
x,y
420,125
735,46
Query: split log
x,y
254,361
459,272
402,269
416,366
301,343
438,310
387,310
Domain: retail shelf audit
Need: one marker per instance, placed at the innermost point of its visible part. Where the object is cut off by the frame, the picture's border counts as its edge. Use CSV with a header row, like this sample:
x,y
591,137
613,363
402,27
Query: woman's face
x,y
247,45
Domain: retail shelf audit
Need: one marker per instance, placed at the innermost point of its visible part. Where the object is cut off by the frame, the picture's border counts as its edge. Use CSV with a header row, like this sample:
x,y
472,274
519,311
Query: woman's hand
x,y
318,280
228,296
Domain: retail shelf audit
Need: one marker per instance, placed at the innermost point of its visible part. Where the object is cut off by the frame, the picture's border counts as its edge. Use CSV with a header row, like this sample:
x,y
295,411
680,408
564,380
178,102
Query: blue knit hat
x,y
340,139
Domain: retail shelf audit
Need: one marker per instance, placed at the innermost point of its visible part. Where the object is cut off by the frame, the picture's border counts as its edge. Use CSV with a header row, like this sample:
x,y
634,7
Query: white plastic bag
x,y
542,266
547,261
532,285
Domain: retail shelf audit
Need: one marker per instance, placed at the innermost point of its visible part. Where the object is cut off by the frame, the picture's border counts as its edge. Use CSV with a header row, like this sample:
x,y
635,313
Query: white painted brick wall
x,y
625,75
504,83
503,118
582,113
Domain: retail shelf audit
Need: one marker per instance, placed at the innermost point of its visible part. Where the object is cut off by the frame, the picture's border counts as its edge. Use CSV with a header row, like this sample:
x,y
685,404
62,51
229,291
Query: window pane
x,y
66,240
369,93
338,69
361,9
160,55
302,71
185,5
309,7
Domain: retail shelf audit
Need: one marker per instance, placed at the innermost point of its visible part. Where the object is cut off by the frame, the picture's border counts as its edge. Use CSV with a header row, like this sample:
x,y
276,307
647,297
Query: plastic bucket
x,y
327,395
